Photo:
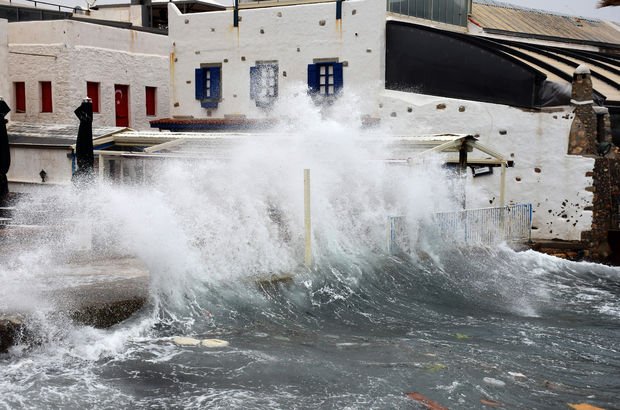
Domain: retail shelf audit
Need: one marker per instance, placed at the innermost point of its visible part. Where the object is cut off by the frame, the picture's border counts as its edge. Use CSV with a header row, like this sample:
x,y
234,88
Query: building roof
x,y
502,18
51,135
222,145
559,65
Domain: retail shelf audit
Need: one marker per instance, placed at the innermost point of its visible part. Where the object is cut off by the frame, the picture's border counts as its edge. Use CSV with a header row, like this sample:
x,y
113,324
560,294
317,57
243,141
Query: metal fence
x,y
444,11
485,226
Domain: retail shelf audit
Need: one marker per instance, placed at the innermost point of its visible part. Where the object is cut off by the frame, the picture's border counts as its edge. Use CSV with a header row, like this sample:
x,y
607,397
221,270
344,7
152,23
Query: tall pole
x,y
307,220
502,186
463,172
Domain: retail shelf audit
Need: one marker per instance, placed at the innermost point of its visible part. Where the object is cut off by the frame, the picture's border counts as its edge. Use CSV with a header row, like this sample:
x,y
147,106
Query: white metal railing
x,y
484,226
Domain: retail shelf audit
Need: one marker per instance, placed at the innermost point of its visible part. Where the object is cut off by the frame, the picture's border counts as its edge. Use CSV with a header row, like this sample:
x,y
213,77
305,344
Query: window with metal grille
x,y
325,78
150,93
92,92
46,96
20,96
264,83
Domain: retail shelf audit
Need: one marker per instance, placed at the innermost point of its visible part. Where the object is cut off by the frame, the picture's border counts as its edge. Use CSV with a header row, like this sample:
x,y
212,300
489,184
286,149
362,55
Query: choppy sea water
x,y
519,330
465,327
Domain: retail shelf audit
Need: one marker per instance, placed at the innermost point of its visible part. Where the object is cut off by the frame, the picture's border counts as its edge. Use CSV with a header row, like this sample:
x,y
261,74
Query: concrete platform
x,y
93,292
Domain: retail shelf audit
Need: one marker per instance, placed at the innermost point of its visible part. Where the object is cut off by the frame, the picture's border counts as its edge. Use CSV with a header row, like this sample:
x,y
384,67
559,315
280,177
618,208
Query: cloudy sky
x,y
584,8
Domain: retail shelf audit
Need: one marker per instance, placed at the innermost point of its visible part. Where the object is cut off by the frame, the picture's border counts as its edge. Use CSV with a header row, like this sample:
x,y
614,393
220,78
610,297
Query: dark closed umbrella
x,y
5,154
84,145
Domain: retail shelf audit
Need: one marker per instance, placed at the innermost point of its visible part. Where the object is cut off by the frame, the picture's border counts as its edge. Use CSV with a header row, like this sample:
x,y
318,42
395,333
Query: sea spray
x,y
359,328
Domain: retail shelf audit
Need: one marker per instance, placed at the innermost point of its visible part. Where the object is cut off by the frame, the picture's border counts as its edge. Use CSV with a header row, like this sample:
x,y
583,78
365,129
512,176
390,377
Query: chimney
x,y
582,137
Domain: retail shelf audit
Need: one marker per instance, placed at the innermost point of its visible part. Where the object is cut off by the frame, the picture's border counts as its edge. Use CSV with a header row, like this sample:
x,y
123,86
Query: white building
x,y
418,74
4,56
54,64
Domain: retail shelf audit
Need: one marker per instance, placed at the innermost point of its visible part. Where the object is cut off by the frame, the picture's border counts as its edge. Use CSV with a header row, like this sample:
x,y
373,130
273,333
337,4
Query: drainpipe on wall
x,y
236,14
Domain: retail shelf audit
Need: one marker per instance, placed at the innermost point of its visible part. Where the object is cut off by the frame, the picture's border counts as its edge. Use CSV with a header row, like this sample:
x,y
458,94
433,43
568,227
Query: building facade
x,y
4,56
53,65
518,100
218,70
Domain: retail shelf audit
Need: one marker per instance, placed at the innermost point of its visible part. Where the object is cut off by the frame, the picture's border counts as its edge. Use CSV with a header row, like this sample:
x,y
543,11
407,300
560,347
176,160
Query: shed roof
x,y
51,135
502,18
216,145
559,64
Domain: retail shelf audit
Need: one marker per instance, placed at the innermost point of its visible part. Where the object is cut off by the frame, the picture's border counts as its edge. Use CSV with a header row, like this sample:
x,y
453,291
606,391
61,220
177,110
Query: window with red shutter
x,y
20,96
92,91
150,100
46,96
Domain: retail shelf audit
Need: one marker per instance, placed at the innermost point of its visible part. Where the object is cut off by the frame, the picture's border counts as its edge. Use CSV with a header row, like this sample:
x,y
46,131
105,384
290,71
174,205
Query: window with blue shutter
x,y
264,83
209,85
325,79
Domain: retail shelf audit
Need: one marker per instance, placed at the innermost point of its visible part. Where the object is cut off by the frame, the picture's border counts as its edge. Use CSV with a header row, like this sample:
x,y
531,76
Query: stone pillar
x,y
582,137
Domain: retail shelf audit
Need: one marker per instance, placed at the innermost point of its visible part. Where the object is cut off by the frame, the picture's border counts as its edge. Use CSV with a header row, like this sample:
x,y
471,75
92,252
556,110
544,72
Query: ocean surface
x,y
519,330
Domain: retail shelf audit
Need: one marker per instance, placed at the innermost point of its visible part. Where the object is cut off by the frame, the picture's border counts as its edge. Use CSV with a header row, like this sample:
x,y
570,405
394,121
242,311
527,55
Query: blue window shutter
x,y
216,86
338,80
200,83
313,78
339,10
254,79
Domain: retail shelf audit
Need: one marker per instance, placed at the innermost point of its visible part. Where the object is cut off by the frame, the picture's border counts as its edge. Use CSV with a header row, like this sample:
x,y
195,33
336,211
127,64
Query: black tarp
x,y
5,153
84,145
552,94
429,61
614,114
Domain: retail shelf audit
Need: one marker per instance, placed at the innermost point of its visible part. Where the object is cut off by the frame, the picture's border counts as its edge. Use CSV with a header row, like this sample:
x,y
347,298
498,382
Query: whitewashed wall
x,y
4,67
544,175
70,53
126,12
292,35
27,163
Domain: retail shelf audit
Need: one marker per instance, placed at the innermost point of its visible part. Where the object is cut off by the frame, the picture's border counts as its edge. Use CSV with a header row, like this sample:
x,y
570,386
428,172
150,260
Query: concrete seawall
x,y
99,293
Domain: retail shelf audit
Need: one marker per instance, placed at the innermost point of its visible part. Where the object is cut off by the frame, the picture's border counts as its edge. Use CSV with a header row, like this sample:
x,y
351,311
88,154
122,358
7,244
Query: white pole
x,y
502,187
101,167
307,220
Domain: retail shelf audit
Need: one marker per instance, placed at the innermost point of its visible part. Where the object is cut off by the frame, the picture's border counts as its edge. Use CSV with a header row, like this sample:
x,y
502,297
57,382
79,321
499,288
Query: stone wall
x,y
606,189
582,136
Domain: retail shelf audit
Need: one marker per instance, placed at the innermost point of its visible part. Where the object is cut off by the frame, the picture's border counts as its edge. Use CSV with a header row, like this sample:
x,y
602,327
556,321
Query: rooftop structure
x,y
500,18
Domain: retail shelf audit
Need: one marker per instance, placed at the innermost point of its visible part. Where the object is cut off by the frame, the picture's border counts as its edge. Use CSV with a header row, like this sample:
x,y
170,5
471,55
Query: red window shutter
x,y
20,97
46,96
150,100
92,91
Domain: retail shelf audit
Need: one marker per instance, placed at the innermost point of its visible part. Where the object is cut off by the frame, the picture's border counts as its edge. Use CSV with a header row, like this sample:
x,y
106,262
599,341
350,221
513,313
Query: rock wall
x,y
605,206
